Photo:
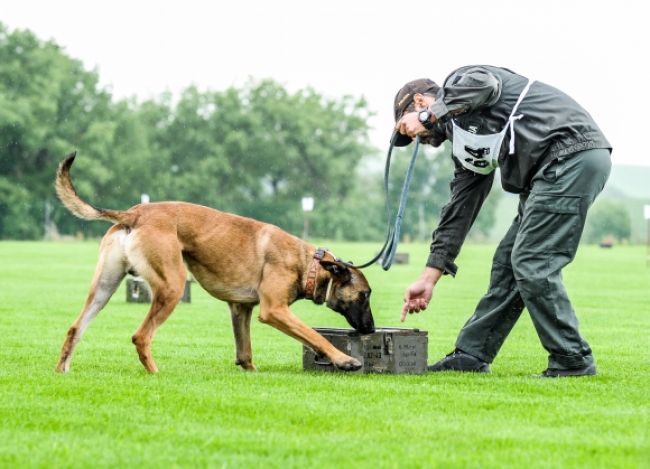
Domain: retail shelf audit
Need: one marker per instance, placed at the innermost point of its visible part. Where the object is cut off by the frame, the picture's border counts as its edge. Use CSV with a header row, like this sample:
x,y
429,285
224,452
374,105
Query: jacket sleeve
x,y
466,90
468,192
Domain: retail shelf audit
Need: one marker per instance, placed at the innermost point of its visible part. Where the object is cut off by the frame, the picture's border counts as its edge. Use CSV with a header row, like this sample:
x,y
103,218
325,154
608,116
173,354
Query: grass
x,y
202,411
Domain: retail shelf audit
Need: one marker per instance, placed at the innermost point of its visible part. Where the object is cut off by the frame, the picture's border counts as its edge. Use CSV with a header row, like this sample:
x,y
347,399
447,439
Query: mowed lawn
x,y
202,411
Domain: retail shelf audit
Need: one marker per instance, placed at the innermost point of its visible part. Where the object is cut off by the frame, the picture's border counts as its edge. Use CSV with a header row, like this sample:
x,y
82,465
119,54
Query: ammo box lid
x,y
379,330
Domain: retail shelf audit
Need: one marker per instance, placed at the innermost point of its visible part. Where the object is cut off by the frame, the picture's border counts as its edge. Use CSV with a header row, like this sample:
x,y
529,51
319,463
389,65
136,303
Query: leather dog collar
x,y
310,284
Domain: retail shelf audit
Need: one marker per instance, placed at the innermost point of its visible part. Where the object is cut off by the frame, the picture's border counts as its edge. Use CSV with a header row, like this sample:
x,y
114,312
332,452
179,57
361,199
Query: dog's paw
x,y
351,364
246,365
62,367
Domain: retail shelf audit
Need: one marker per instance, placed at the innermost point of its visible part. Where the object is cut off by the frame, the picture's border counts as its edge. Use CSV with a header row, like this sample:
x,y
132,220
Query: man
x,y
549,151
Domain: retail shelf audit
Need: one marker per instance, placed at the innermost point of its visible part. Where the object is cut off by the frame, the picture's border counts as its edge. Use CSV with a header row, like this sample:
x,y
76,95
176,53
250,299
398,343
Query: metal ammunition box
x,y
137,291
387,350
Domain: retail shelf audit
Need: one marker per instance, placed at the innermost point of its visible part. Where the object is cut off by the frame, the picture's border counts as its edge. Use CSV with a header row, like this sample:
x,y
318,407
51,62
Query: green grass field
x,y
202,411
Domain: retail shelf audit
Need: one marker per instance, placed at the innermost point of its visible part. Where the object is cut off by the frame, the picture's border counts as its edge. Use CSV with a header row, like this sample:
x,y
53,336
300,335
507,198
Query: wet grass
x,y
200,410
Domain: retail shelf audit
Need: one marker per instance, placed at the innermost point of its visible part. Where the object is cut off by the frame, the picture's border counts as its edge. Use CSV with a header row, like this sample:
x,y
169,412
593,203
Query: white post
x,y
307,206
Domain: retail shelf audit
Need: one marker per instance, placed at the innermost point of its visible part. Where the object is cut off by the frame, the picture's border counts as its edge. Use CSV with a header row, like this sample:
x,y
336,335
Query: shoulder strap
x,y
521,98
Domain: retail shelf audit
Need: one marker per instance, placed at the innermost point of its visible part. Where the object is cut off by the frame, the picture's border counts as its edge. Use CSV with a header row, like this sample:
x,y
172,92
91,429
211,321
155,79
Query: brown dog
x,y
238,260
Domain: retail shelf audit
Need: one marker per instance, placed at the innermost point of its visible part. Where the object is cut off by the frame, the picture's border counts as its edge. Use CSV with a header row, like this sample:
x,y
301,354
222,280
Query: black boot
x,y
589,370
460,361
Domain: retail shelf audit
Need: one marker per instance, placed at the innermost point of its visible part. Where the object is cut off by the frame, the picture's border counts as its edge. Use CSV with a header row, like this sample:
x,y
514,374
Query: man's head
x,y
405,102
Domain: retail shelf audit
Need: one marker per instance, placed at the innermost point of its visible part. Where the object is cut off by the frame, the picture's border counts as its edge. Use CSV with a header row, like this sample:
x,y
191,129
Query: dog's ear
x,y
338,269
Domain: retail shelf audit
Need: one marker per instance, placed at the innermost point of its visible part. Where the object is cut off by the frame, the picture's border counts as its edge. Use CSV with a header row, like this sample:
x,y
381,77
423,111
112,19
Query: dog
x,y
241,261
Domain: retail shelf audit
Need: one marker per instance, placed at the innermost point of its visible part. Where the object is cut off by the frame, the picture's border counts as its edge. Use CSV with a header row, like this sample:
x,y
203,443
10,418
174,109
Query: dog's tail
x,y
69,197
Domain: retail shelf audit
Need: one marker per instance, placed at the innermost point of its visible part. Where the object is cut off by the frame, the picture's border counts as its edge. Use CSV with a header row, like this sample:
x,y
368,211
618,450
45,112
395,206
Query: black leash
x,y
389,249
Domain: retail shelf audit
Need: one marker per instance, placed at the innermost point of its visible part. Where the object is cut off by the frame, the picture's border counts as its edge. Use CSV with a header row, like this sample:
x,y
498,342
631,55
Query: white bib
x,y
480,153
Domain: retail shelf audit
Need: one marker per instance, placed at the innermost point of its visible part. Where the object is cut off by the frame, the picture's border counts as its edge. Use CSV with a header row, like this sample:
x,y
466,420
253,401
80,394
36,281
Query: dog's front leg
x,y
281,317
241,326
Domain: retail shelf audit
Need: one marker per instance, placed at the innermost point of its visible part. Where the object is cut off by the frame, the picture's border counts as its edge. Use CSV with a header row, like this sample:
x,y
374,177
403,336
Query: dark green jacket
x,y
480,98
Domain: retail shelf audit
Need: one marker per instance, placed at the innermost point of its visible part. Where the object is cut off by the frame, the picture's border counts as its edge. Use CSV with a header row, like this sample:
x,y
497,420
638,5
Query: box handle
x,y
322,360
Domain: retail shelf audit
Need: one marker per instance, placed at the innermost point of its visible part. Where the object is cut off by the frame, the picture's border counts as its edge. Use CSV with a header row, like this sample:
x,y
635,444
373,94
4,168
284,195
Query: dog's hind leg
x,y
108,275
164,270
241,326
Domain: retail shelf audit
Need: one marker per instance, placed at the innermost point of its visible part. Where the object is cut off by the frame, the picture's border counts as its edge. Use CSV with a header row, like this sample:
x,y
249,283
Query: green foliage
x,y
202,411
49,105
15,202
429,191
255,150
258,150
487,217
608,219
429,188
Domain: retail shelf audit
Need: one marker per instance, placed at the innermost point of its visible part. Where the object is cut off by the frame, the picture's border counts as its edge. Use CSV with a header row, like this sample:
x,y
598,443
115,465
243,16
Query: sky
x,y
594,50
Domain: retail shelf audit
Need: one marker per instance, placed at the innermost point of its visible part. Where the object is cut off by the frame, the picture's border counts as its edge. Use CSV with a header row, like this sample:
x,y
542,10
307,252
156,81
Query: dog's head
x,y
349,295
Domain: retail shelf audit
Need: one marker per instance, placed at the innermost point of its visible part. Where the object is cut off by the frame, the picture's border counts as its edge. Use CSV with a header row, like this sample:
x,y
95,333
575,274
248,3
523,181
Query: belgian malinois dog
x,y
241,261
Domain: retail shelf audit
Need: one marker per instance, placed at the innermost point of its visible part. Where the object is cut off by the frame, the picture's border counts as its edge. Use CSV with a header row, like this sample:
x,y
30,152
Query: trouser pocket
x,y
551,223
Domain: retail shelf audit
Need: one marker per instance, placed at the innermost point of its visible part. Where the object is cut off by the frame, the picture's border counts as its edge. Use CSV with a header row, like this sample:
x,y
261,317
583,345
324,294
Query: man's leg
x,y
500,308
495,315
548,237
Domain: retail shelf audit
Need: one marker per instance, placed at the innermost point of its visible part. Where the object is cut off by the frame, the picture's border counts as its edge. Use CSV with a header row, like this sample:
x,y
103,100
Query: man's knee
x,y
530,270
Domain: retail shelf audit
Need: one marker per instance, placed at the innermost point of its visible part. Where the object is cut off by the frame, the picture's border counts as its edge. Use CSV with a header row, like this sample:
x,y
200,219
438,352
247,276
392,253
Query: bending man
x,y
549,151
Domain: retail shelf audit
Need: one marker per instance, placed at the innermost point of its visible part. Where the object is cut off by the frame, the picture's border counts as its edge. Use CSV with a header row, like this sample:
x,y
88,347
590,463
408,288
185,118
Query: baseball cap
x,y
404,99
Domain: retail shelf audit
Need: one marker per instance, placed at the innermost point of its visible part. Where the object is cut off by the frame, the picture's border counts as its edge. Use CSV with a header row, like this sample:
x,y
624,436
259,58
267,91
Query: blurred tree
x,y
607,219
258,150
429,191
487,217
255,151
48,103
15,204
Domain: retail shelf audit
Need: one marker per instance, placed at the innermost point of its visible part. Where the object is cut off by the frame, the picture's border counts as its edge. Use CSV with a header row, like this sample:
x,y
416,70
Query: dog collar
x,y
310,284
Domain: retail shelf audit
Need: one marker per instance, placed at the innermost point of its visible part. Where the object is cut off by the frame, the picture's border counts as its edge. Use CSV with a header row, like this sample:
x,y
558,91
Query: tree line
x,y
255,150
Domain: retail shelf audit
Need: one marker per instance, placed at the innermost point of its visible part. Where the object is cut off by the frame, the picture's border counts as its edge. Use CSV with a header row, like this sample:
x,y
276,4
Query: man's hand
x,y
418,294
410,125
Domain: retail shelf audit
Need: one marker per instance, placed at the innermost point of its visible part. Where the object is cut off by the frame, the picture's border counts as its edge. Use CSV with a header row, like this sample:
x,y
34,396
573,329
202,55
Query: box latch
x,y
388,344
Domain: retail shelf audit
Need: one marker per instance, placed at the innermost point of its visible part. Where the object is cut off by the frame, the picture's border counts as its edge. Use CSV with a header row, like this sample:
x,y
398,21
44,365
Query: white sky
x,y
595,50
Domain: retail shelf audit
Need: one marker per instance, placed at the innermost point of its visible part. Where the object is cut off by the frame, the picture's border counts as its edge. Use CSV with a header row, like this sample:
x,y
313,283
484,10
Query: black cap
x,y
404,99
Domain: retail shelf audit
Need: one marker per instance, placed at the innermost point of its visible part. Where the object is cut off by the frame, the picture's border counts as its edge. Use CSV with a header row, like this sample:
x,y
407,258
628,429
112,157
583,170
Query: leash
x,y
389,249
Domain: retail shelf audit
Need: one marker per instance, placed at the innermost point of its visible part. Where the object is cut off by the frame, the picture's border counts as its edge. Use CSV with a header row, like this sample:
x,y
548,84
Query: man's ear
x,y
337,269
419,100
423,101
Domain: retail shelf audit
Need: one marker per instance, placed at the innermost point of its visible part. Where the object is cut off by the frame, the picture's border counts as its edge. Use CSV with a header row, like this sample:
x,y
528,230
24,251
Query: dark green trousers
x,y
527,265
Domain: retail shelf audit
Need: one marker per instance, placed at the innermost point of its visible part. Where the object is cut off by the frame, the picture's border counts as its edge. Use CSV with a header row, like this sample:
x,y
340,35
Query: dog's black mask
x,y
350,296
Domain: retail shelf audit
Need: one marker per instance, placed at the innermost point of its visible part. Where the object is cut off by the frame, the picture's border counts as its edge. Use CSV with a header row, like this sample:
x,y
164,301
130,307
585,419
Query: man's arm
x,y
468,192
465,90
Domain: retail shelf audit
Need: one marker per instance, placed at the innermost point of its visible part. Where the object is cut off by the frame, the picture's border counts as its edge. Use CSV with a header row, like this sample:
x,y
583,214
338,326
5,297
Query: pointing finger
x,y
405,310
